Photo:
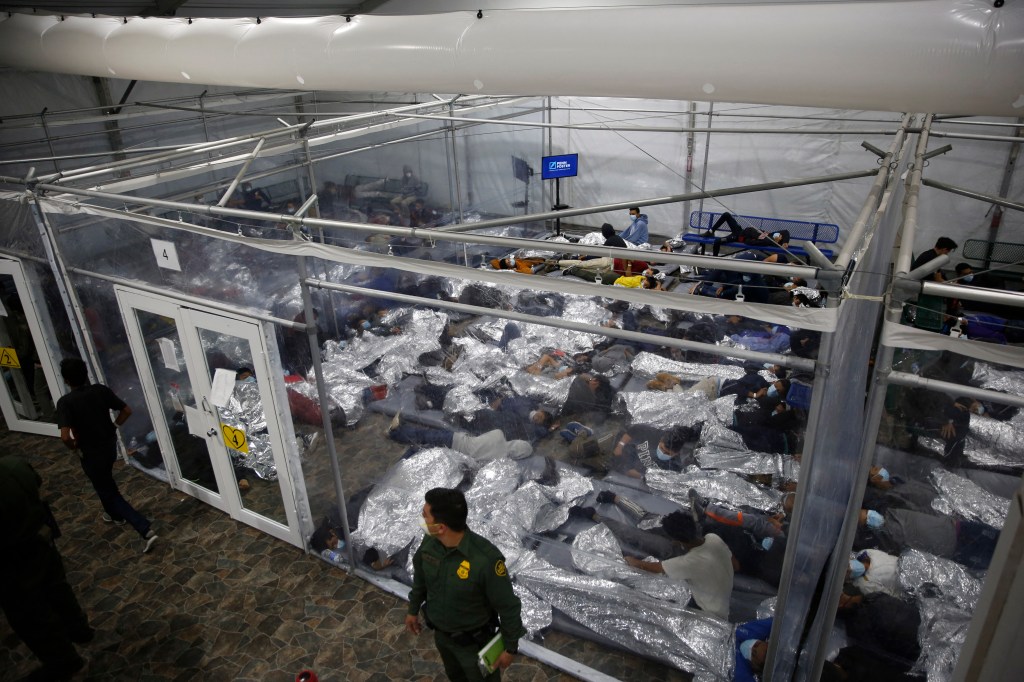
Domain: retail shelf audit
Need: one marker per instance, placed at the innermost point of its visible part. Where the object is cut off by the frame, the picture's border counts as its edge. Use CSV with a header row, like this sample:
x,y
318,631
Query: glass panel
x,y
167,364
27,384
253,462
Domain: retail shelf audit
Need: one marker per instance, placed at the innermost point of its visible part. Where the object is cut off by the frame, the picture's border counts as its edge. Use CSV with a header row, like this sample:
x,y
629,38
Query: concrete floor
x,y
216,599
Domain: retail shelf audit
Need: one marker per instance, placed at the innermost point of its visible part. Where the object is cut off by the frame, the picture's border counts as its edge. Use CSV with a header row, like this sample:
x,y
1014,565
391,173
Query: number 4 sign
x,y
166,254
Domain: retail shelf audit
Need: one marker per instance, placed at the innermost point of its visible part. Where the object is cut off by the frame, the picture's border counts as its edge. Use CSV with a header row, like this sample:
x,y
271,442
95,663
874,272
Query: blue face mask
x,y
662,455
875,519
966,278
767,543
857,569
249,380
366,324
883,474
773,392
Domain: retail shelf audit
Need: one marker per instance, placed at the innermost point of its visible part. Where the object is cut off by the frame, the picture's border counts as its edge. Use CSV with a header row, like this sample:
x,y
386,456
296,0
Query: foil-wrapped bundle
x,y
998,378
420,334
344,387
995,443
689,640
587,311
244,412
570,488
766,609
390,517
667,410
717,485
962,497
953,581
461,400
545,389
481,363
942,635
649,364
531,509
716,456
596,552
492,483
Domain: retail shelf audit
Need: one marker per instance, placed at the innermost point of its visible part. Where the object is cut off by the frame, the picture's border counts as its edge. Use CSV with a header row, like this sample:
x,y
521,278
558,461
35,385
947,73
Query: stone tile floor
x,y
218,600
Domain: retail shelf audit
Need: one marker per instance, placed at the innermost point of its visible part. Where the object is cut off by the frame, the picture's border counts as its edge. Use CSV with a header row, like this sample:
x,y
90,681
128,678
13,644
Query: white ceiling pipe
x,y
896,55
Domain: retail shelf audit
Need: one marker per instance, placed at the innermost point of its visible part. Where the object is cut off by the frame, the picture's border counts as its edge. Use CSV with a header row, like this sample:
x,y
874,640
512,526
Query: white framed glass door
x,y
227,447
30,385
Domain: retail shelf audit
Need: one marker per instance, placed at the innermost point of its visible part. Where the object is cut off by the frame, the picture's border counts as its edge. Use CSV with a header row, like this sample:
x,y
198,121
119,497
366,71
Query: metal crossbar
x,y
820,233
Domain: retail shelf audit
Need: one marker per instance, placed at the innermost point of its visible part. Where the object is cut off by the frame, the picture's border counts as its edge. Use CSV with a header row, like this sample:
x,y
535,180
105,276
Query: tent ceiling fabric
x,y
940,56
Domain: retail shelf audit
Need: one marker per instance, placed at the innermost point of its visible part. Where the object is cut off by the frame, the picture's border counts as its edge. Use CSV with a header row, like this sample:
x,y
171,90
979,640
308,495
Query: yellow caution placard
x,y
234,438
8,358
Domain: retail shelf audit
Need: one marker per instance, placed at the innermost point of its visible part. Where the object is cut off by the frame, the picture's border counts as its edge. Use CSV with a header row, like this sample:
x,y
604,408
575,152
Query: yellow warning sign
x,y
8,358
234,438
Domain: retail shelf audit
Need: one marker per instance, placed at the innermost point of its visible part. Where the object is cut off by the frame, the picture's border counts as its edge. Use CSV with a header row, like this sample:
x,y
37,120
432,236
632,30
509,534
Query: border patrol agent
x,y
461,581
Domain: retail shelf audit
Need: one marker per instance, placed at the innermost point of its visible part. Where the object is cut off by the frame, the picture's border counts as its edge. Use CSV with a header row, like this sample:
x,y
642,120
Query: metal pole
x,y
731,264
49,142
691,140
973,194
670,199
448,152
202,115
241,172
72,306
325,401
547,133
707,147
455,166
1004,189
791,361
855,239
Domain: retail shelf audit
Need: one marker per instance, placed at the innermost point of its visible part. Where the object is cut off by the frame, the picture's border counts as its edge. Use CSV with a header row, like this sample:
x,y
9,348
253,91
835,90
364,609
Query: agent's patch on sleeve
x,y
499,569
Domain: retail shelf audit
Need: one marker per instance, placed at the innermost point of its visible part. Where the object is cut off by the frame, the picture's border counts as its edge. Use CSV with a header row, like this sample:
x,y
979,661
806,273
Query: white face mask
x,y
533,414
662,455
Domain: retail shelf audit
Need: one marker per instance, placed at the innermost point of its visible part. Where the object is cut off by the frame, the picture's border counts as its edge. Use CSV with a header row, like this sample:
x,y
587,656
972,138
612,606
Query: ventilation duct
x,y
950,56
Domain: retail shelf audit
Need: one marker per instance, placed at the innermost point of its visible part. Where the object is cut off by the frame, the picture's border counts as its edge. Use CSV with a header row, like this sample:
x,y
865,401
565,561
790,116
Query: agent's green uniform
x,y
465,592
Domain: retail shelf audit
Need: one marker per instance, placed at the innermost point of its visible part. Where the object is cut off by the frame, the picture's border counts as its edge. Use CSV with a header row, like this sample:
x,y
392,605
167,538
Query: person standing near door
x,y
83,417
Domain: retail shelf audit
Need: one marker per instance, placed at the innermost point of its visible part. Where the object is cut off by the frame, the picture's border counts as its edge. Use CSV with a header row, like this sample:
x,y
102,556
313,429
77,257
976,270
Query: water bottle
x,y
598,280
334,555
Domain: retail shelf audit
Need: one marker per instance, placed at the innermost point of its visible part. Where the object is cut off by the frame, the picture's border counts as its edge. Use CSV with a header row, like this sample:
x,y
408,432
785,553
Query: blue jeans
x,y
99,467
422,435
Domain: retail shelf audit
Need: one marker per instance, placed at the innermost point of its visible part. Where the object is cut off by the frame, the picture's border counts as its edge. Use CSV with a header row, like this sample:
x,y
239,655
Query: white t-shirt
x,y
882,575
708,571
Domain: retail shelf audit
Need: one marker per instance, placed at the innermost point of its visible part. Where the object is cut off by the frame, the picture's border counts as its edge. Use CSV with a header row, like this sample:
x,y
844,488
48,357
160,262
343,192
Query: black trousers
x,y
39,603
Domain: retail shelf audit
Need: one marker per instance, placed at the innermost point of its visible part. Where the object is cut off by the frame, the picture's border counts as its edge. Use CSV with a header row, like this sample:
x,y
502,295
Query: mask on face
x,y
883,474
875,519
857,569
981,410
533,414
249,380
767,543
662,455
427,526
773,392
746,278
966,278
366,324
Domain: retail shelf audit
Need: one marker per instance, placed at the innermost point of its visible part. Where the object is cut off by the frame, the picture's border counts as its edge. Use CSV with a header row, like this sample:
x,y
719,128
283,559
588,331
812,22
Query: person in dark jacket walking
x,y
83,417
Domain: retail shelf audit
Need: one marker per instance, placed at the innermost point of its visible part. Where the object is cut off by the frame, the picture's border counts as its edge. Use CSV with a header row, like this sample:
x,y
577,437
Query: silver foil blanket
x,y
942,635
244,411
718,485
537,508
666,410
990,442
953,581
597,553
719,455
649,364
390,518
766,609
344,387
398,354
961,497
998,378
689,640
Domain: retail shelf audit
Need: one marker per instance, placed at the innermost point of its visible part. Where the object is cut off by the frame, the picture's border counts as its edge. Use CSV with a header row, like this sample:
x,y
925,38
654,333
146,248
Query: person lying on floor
x,y
560,364
970,543
748,236
526,266
486,446
641,447
518,417
683,553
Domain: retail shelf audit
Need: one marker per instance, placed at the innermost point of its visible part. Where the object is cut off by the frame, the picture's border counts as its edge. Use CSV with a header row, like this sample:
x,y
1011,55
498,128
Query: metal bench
x,y
994,252
799,230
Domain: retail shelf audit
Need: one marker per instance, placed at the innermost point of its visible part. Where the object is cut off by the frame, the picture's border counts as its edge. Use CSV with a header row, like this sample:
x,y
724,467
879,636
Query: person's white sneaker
x,y
150,540
106,517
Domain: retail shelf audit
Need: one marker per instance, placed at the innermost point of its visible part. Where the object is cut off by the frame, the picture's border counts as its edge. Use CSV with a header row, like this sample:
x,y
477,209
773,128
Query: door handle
x,y
211,432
